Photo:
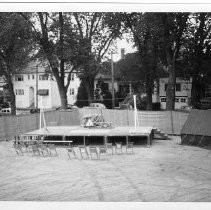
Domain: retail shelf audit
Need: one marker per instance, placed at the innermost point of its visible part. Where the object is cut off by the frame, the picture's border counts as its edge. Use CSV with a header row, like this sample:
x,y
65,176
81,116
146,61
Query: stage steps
x,y
158,134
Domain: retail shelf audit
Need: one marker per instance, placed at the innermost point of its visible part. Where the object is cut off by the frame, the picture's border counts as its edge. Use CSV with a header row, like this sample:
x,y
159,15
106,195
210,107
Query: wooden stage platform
x,y
78,131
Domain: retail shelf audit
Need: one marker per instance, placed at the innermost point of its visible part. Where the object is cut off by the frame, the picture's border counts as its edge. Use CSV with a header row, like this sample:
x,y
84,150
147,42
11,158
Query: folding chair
x,y
35,150
93,152
29,145
70,150
18,149
129,147
23,146
83,150
102,151
109,146
38,144
51,147
118,146
44,149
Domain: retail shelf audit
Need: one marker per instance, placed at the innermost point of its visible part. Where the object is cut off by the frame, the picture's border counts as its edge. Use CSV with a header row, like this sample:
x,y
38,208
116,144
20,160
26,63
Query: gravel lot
x,y
167,171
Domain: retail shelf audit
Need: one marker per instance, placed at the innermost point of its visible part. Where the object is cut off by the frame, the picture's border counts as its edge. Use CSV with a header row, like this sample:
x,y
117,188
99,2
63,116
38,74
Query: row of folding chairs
x,y
97,152
118,147
35,148
94,152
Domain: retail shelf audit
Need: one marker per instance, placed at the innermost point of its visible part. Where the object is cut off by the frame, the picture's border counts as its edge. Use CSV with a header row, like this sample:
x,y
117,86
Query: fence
x,y
13,125
170,122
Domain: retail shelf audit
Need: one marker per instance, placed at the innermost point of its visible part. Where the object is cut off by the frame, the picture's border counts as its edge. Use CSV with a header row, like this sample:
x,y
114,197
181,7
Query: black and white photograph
x,y
105,102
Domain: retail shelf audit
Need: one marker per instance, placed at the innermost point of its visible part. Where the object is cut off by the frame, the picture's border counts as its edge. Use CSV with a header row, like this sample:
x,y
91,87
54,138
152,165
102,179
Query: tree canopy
x,y
15,48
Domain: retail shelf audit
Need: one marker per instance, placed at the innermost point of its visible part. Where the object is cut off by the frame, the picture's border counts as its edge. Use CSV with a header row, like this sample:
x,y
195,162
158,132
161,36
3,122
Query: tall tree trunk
x,y
59,79
149,99
89,84
195,92
63,94
170,91
149,89
52,59
12,96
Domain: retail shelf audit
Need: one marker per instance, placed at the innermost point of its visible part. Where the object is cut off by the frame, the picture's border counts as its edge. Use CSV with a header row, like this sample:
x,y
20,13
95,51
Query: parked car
x,y
34,110
69,106
96,105
6,111
126,106
186,108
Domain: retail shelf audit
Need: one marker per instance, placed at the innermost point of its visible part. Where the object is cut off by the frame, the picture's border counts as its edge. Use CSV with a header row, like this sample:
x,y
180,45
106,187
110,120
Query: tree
x,y
55,37
197,55
96,32
15,48
173,26
145,29
79,40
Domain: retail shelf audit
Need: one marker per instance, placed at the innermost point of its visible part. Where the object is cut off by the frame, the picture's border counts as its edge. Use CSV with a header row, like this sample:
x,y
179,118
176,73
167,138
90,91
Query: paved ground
x,y
165,172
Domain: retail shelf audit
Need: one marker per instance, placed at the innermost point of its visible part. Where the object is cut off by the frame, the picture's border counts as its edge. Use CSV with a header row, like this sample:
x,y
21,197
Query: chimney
x,y
122,53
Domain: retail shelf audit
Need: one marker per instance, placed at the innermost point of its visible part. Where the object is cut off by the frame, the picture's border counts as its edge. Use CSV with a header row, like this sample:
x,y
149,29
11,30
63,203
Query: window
x,y
28,76
19,78
72,77
32,76
43,77
163,100
19,92
71,91
176,99
43,92
183,100
178,87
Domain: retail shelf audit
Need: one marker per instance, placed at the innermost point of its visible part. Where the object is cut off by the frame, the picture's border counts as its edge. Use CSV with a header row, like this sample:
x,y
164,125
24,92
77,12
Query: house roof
x,y
33,66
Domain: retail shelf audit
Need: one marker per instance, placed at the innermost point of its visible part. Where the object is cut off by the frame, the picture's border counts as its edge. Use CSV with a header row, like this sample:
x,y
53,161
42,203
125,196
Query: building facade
x,y
182,92
36,81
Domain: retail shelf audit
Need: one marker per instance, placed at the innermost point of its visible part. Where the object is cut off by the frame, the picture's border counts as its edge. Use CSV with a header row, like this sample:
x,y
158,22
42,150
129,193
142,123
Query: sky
x,y
123,44
127,43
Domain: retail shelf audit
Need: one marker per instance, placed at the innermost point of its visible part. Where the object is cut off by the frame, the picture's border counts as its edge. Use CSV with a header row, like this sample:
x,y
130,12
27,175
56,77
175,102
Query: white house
x,y
182,94
36,77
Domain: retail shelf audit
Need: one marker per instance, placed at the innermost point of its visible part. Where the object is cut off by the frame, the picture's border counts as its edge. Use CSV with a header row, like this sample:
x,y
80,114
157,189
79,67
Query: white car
x,y
6,111
96,105
187,108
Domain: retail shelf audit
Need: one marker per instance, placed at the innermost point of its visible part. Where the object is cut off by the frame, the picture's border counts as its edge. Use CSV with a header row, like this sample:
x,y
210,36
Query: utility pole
x,y
37,87
112,81
130,88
